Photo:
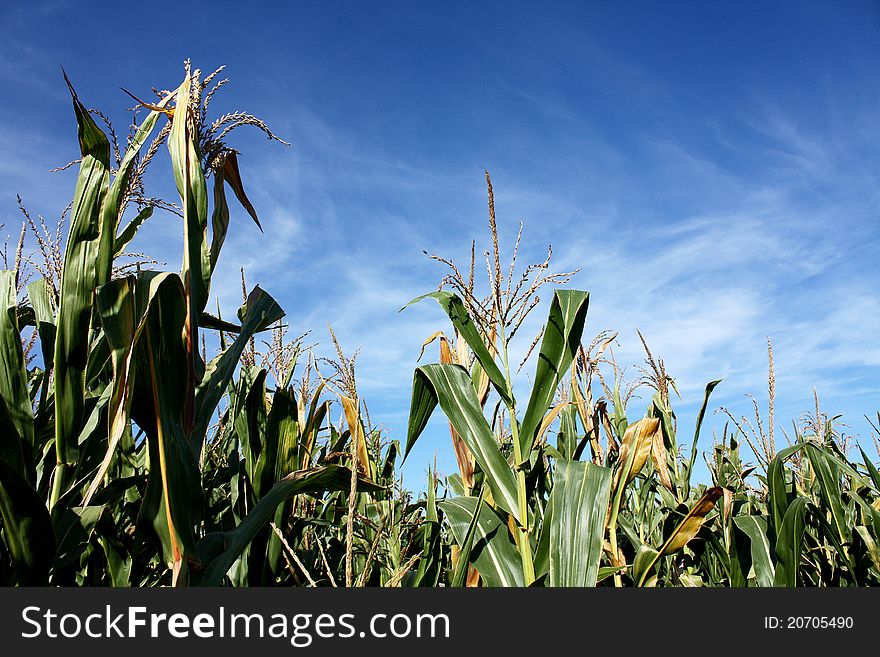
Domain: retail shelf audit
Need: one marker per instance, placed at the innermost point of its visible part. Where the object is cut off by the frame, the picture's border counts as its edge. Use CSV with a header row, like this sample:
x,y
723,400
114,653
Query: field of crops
x,y
146,441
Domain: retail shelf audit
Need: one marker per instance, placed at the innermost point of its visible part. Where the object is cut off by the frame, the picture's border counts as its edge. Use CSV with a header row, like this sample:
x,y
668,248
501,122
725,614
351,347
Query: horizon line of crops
x,y
129,457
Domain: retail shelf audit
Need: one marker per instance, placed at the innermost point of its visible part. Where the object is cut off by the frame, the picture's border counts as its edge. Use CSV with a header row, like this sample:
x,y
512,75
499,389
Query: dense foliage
x,y
128,457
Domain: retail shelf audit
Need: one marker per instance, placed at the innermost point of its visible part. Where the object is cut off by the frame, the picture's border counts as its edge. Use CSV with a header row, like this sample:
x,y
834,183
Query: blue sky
x,y
711,168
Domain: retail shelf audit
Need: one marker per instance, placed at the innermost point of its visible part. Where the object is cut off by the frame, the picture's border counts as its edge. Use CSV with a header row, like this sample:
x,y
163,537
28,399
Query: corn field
x,y
132,456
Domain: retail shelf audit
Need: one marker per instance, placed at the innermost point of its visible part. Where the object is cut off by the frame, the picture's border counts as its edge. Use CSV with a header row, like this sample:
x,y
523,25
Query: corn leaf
x,y
643,566
128,233
790,543
123,305
38,294
455,309
173,498
687,528
635,449
562,338
832,493
871,468
78,279
14,447
27,528
110,246
693,456
219,550
779,495
493,553
450,386
580,497
755,527
466,545
74,531
258,313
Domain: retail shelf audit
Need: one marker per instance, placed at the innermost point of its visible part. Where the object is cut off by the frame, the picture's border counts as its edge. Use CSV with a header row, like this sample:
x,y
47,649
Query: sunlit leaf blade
x,y
430,565
643,565
562,338
493,553
870,544
779,495
450,386
356,429
692,522
700,416
455,309
196,268
38,294
78,279
580,498
128,233
635,449
259,312
832,494
462,565
871,468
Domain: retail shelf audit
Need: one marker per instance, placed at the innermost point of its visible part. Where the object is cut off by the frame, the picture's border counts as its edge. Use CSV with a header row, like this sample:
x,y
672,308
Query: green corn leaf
x,y
755,527
643,566
562,337
693,457
219,550
790,543
466,546
450,386
249,415
74,530
119,562
123,305
15,447
779,496
258,313
78,281
542,550
493,553
580,503
455,309
871,468
173,498
27,528
831,497
219,218
111,246
870,545
607,571
190,179
38,293
430,565
127,235
196,268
